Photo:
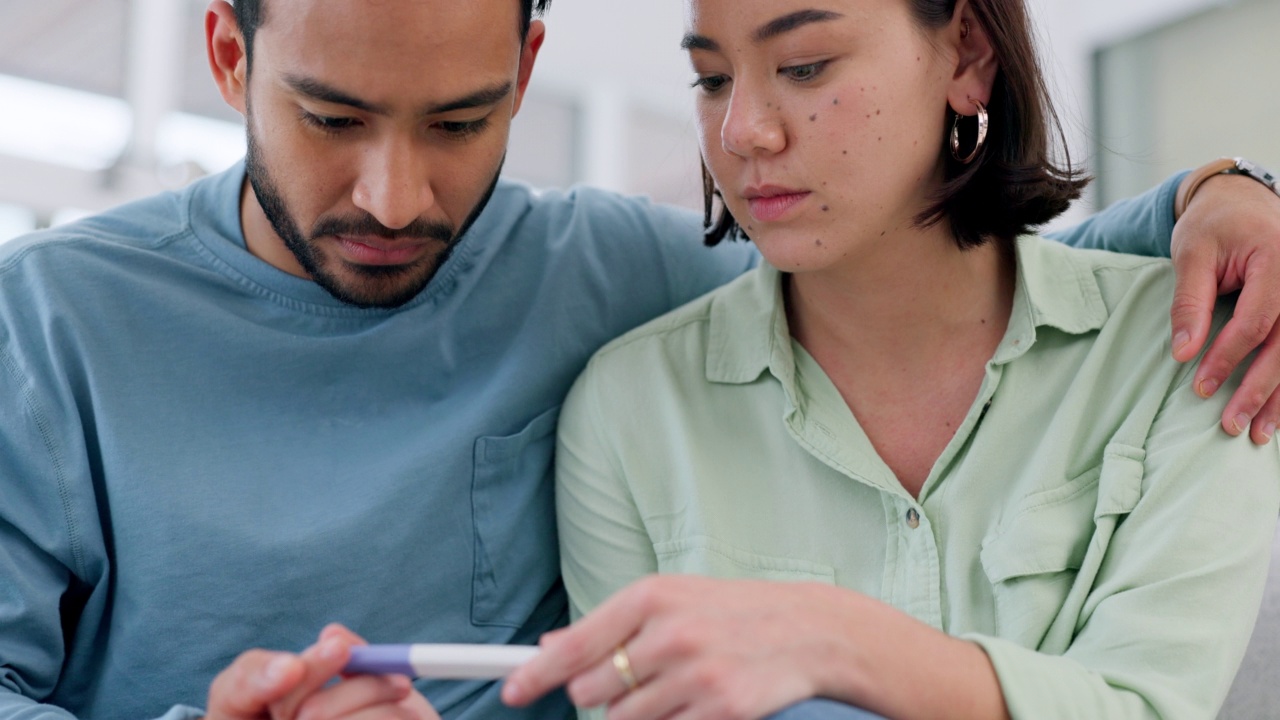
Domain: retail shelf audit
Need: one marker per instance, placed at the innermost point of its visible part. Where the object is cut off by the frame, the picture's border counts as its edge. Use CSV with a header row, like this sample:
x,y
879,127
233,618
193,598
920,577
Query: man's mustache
x,y
369,226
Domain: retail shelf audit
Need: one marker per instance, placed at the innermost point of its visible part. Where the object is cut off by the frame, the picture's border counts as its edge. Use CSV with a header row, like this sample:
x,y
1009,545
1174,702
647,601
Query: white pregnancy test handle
x,y
446,662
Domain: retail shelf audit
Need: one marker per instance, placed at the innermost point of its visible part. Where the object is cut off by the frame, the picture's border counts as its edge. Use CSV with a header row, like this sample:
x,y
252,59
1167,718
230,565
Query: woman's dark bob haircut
x,y
1014,184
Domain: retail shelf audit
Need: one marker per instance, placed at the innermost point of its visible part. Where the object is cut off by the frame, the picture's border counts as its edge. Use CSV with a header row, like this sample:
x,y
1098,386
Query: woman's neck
x,y
904,331
905,299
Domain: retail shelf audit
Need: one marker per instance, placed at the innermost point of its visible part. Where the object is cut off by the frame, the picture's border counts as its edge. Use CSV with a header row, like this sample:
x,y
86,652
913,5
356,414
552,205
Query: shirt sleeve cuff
x,y
1165,202
1041,686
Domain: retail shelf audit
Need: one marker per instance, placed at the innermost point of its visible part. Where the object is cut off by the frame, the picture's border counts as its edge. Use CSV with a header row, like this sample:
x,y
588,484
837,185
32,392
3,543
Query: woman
x,y
950,470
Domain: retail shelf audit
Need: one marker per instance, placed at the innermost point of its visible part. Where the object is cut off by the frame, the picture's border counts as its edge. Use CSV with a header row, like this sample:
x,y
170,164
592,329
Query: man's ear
x,y
228,60
528,56
976,61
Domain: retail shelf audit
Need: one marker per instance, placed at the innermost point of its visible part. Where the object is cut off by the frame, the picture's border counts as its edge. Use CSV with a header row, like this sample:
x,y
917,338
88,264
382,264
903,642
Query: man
x,y
323,386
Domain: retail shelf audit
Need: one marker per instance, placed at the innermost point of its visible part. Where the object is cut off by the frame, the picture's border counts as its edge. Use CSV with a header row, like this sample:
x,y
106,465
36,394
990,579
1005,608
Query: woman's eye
x,y
804,73
711,83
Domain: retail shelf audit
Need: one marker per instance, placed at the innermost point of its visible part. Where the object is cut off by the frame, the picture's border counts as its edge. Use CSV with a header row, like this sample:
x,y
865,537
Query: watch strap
x,y
1187,188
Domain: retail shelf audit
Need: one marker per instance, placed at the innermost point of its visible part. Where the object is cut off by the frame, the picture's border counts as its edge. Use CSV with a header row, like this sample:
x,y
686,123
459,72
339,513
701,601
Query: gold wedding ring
x,y
622,664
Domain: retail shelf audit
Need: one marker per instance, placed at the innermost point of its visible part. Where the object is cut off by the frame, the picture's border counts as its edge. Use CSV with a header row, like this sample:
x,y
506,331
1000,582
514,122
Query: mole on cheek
x,y
835,101
813,117
826,209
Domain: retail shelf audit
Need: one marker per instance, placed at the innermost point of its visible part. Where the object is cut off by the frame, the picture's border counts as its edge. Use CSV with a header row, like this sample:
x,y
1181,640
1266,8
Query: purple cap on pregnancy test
x,y
379,660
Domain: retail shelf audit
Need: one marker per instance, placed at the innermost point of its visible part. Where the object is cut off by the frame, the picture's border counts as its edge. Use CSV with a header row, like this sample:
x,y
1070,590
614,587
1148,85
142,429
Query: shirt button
x,y
913,519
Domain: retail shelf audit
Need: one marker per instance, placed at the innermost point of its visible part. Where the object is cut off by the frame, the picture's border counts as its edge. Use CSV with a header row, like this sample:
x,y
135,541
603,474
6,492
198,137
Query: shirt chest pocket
x,y
517,562
1043,560
713,558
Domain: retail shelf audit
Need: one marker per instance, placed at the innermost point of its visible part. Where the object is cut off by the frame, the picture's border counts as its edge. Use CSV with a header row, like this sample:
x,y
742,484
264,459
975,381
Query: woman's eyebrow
x,y
768,31
792,21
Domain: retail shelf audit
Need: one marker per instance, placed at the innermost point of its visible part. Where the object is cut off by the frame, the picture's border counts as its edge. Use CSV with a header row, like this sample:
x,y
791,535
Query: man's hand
x,y
262,685
1229,240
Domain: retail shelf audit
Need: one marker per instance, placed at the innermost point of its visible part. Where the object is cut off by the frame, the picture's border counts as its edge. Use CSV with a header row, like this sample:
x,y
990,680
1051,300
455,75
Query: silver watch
x,y
1257,172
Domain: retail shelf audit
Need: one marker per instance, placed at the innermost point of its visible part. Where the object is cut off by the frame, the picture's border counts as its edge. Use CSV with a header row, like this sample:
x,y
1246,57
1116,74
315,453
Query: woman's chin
x,y
799,253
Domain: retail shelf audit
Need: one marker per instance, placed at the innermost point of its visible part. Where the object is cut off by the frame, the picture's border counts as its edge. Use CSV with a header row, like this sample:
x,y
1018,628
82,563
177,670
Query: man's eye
x,y
462,129
328,124
711,83
804,73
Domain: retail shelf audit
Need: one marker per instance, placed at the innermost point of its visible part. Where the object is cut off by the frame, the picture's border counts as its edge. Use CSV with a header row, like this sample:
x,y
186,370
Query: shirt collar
x,y
749,332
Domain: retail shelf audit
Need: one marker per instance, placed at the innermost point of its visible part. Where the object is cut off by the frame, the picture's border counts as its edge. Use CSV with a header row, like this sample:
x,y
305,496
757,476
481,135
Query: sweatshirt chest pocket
x,y
517,560
1043,560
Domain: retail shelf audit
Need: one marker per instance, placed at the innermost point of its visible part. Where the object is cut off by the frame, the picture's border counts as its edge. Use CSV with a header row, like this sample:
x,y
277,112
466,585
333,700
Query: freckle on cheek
x,y
813,117
826,209
877,112
818,243
844,152
835,101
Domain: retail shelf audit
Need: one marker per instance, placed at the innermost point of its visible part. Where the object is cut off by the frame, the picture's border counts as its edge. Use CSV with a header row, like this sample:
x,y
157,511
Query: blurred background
x,y
102,101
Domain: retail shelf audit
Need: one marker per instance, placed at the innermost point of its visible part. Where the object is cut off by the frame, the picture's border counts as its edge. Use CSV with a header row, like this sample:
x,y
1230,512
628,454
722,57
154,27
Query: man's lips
x,y
373,250
771,203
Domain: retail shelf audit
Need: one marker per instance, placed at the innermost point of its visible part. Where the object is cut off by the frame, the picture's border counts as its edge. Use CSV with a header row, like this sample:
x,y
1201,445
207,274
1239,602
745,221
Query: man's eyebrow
x,y
770,30
480,98
317,90
787,23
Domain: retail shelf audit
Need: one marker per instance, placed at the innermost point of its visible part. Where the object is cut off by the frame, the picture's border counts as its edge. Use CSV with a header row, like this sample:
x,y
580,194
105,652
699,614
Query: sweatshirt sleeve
x,y
1141,225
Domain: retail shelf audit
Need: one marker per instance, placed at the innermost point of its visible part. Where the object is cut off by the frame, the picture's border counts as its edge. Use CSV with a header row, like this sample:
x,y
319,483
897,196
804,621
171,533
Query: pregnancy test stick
x,y
446,662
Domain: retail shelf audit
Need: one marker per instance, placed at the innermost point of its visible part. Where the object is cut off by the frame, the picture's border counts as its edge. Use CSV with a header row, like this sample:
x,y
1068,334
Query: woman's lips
x,y
376,251
774,207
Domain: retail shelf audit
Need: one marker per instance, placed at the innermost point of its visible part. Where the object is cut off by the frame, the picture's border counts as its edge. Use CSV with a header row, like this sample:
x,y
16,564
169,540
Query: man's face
x,y
376,133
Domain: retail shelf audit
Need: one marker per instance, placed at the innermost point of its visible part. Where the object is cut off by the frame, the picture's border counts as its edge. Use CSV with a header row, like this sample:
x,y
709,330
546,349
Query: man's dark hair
x,y
1014,184
250,15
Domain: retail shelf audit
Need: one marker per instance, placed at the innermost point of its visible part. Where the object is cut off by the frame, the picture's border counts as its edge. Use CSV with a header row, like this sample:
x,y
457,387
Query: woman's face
x,y
822,121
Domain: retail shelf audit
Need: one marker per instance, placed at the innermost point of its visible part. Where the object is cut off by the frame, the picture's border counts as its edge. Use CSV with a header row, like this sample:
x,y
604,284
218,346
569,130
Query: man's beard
x,y
375,286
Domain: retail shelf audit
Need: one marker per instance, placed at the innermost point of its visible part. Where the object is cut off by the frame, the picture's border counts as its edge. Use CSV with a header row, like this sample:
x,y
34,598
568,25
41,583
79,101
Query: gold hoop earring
x,y
984,124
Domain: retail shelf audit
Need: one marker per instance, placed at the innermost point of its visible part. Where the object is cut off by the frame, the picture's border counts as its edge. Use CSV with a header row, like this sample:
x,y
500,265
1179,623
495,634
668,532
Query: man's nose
x,y
394,185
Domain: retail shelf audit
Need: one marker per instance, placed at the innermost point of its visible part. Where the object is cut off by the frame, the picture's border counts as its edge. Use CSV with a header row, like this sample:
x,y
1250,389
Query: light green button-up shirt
x,y
1089,524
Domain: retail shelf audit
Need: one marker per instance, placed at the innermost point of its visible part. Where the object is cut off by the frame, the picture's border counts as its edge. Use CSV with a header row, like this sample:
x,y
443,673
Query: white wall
x,y
1069,32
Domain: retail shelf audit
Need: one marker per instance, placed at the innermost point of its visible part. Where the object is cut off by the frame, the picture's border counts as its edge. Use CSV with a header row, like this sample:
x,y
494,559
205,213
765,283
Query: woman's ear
x,y
976,61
